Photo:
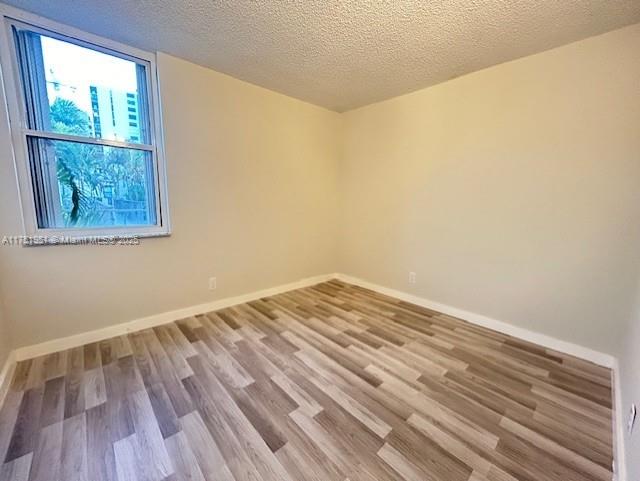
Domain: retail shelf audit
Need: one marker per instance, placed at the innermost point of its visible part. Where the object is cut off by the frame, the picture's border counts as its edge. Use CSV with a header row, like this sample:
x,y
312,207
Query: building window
x,y
84,168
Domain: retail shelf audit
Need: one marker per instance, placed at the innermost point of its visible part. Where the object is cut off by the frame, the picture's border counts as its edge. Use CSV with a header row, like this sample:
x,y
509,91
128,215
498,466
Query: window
x,y
84,167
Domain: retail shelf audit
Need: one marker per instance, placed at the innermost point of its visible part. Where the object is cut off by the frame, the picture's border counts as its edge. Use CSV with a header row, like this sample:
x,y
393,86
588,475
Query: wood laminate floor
x,y
331,382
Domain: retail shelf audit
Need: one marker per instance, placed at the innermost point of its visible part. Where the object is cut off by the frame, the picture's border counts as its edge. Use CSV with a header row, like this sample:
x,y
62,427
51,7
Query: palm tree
x,y
67,118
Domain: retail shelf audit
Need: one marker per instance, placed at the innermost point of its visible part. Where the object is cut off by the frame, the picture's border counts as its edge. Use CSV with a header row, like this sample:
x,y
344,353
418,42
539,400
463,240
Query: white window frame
x,y
13,97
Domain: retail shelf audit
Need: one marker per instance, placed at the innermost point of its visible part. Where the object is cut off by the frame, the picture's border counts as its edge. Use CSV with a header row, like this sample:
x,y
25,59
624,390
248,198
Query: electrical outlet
x,y
633,413
412,277
212,283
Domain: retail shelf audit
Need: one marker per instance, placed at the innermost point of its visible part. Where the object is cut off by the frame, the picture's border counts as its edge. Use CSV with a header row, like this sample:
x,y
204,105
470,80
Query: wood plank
x,y
27,425
327,383
74,402
17,470
128,459
47,454
8,419
152,449
53,402
184,461
205,449
95,390
402,465
74,449
306,403
101,464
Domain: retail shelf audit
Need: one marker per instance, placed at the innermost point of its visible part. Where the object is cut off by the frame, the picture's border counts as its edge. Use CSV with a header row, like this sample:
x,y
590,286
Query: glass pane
x,y
88,185
75,90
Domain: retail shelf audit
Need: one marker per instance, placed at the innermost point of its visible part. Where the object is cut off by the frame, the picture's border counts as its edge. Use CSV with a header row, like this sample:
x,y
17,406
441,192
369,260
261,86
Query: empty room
x,y
319,240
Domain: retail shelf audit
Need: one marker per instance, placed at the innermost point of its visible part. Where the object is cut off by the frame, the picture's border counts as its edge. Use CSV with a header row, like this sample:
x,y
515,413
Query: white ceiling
x,y
348,53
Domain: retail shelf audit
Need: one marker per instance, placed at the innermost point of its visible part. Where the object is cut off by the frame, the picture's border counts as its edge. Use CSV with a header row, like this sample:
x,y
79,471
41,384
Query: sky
x,y
76,68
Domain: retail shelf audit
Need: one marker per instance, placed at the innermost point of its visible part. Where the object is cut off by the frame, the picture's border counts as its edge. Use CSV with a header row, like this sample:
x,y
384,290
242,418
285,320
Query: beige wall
x,y
252,194
511,192
630,382
5,341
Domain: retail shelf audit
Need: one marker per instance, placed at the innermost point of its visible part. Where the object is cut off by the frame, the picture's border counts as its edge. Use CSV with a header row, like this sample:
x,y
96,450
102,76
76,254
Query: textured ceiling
x,y
343,54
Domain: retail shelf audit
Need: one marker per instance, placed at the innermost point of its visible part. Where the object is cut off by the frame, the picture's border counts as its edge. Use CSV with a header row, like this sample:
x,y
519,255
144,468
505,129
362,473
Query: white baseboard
x,y
6,375
596,357
60,344
81,339
620,465
581,352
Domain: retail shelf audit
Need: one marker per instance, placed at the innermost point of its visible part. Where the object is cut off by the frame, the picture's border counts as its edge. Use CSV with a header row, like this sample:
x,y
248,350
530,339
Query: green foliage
x,y
67,118
85,170
66,178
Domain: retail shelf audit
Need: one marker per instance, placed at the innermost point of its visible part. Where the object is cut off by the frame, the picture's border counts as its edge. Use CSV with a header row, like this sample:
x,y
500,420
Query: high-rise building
x,y
115,114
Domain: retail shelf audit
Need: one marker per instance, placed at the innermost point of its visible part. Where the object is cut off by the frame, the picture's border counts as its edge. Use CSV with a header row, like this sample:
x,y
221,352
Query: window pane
x,y
75,90
88,185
